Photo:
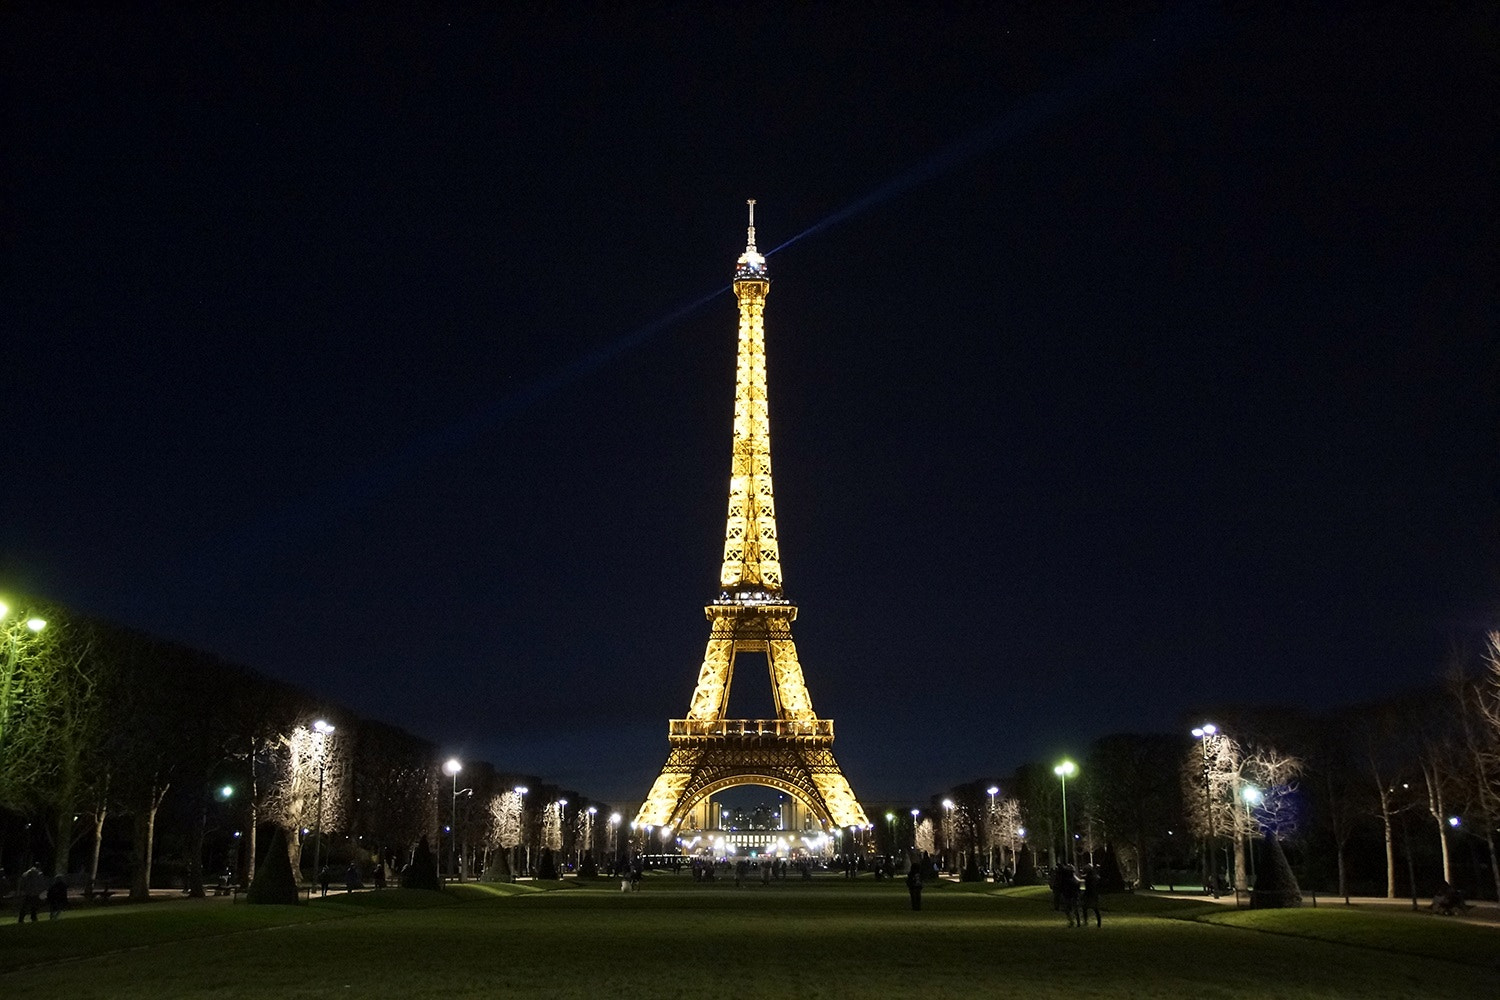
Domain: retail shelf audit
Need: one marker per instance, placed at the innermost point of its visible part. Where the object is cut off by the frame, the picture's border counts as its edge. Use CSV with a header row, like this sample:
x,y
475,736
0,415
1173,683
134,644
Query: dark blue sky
x,y
1154,366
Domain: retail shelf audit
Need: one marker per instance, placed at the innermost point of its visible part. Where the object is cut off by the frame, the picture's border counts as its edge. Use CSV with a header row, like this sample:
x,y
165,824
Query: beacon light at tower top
x,y
752,263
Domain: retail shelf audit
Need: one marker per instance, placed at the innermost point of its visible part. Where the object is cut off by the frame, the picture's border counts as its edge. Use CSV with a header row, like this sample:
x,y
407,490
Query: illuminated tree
x,y
1007,820
1479,711
925,837
504,829
552,827
309,770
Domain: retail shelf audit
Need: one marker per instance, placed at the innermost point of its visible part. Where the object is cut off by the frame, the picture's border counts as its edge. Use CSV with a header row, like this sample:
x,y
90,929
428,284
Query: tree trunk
x,y
145,845
254,822
1343,879
195,855
1489,839
62,849
1442,829
1390,849
98,843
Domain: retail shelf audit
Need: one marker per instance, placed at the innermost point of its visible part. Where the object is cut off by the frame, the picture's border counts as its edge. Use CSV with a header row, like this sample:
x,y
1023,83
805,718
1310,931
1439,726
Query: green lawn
x,y
676,939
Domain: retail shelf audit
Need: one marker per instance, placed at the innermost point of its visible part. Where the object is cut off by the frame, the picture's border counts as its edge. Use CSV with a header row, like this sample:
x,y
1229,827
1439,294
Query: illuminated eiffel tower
x,y
794,751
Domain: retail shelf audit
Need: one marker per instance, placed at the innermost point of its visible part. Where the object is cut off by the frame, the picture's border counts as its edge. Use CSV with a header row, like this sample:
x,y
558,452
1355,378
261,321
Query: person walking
x,y
1089,900
1067,887
33,884
57,897
914,885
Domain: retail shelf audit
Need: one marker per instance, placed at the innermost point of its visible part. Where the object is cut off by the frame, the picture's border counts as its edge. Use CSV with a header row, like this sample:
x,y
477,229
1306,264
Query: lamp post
x,y
588,836
1063,770
1205,734
1252,797
949,836
520,791
989,832
614,840
324,731
451,769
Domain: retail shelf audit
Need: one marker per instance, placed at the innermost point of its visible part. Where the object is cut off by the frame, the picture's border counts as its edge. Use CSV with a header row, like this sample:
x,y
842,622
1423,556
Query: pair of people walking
x,y
33,887
1076,893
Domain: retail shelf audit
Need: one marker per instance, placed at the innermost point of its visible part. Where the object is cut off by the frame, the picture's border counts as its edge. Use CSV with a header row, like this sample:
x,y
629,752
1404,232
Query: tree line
x,y
115,743
1393,797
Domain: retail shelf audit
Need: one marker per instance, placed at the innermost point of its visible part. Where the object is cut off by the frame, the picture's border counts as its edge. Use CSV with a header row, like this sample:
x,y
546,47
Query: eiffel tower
x,y
794,751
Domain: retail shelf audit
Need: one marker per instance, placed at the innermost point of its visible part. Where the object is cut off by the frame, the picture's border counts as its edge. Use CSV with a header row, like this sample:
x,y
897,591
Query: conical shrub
x,y
1276,887
547,867
274,883
1025,868
1111,879
421,872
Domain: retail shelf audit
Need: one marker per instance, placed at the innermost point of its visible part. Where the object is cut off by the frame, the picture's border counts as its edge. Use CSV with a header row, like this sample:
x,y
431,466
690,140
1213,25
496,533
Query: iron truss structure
x,y
794,751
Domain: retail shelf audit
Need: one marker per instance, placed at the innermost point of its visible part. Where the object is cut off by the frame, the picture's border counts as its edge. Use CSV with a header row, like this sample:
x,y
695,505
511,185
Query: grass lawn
x,y
826,938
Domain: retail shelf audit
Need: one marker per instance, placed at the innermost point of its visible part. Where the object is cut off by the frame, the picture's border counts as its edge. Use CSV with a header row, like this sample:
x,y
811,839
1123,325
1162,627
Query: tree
x,y
505,827
1277,886
394,787
310,778
1478,745
1129,782
421,872
1336,781
274,882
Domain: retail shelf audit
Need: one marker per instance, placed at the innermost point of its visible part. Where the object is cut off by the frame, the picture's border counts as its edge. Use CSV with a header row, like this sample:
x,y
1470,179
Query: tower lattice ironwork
x,y
794,751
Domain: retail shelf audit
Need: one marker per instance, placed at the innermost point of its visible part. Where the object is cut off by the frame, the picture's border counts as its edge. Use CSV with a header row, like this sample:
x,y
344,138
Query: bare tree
x,y
925,837
310,773
504,828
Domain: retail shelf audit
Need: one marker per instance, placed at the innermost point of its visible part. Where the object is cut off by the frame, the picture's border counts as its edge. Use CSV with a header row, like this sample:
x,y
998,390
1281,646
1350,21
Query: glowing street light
x,y
1252,797
521,791
989,829
1205,734
1063,770
451,769
324,731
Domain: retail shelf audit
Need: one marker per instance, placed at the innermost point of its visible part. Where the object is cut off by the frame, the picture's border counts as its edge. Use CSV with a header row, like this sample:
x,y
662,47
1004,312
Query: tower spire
x,y
752,263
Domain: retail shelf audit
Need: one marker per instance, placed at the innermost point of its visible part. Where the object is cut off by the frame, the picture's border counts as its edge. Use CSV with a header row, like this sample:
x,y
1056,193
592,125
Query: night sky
x,y
1121,363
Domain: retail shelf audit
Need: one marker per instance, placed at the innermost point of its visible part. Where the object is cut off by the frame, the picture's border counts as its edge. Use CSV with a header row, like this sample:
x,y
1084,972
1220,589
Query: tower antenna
x,y
750,237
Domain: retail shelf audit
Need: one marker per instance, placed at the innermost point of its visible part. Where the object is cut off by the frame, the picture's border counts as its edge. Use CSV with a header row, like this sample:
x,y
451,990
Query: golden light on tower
x,y
792,752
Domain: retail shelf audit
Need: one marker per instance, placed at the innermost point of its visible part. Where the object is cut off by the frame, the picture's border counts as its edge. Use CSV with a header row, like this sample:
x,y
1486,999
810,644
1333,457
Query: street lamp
x,y
588,836
614,839
324,730
1205,733
451,768
989,831
949,835
1252,797
521,791
1063,770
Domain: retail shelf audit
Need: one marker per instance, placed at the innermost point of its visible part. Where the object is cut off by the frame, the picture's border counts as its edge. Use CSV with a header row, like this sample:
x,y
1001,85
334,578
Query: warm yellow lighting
x,y
751,614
